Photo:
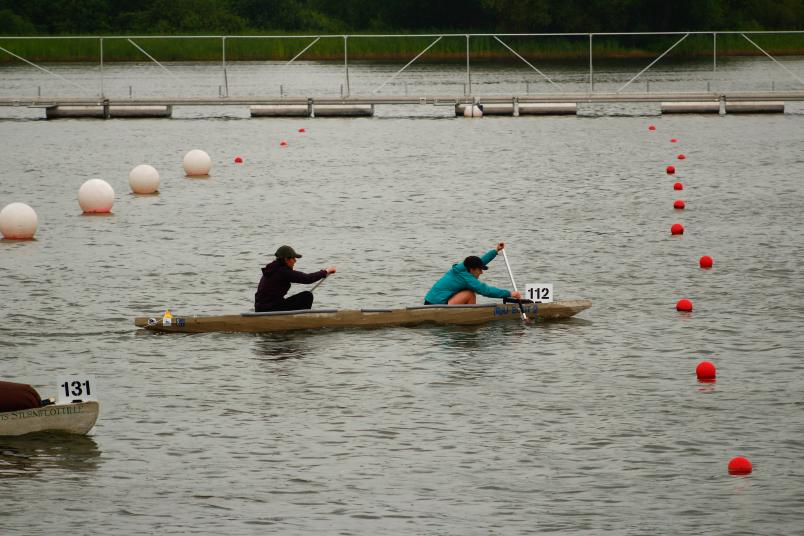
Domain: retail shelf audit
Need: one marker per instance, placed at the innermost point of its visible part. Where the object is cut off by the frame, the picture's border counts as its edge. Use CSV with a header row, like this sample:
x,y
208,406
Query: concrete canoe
x,y
363,318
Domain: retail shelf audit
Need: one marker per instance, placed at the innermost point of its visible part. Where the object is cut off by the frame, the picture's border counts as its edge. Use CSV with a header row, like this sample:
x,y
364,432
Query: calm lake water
x,y
593,425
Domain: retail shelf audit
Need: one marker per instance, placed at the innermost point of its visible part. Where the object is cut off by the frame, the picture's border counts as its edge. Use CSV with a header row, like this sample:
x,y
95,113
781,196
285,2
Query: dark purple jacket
x,y
276,280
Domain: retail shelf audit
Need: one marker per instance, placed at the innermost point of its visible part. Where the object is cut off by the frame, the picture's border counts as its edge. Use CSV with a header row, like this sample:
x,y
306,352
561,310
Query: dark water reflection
x,y
37,454
278,346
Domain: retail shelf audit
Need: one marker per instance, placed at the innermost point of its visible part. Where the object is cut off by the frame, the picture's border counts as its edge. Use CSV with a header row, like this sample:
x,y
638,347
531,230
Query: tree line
x,y
170,17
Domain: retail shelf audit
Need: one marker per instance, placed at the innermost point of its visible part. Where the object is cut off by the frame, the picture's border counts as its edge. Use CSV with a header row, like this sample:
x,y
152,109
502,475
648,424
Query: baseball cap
x,y
287,252
473,261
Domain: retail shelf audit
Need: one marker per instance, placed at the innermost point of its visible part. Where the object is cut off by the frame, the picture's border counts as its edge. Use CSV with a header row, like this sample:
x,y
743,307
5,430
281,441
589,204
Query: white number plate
x,y
71,388
539,292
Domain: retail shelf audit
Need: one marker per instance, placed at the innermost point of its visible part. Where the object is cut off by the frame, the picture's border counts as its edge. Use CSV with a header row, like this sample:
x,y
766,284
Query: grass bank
x,y
72,49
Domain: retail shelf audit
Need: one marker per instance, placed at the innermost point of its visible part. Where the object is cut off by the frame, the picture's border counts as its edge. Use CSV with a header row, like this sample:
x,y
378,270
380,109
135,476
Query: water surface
x,y
592,425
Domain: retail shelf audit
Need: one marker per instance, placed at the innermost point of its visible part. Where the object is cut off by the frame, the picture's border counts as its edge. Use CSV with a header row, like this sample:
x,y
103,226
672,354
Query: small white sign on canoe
x,y
539,292
70,388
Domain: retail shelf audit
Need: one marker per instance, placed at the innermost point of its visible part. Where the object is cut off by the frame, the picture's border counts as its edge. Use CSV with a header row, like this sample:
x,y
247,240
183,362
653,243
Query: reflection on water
x,y
478,337
484,336
472,350
454,334
279,346
565,324
31,454
296,344
706,388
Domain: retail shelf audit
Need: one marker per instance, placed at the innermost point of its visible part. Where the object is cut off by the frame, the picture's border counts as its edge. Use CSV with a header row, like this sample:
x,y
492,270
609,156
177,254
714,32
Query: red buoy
x,y
679,204
681,157
684,305
673,140
676,229
705,371
651,127
706,261
678,186
740,466
283,143
302,130
671,170
238,160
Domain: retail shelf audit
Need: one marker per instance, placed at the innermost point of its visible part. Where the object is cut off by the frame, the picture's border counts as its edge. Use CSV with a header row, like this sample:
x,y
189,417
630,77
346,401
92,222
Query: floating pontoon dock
x,y
364,106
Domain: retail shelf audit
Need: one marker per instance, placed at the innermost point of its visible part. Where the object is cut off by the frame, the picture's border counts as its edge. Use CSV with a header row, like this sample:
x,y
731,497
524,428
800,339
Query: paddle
x,y
319,283
511,274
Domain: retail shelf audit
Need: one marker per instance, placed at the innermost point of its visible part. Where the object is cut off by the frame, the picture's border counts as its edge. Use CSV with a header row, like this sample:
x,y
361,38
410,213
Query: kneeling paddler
x,y
277,277
461,284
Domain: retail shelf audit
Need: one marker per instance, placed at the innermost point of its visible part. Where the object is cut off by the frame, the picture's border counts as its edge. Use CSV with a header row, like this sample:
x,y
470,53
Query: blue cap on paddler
x,y
473,261
287,252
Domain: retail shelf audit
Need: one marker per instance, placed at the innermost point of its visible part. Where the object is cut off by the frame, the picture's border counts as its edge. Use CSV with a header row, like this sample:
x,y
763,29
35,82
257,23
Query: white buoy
x,y
196,162
472,111
143,179
96,197
18,221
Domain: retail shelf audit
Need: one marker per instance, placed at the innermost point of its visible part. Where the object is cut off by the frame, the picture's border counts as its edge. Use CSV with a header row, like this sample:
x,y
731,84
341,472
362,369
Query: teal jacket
x,y
459,278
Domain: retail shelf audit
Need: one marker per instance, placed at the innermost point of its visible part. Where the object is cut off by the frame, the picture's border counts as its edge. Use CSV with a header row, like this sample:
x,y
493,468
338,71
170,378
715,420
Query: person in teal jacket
x,y
461,284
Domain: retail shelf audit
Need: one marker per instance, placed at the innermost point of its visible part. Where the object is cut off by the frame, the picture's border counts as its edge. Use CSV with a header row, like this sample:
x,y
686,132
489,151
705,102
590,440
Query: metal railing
x,y
224,91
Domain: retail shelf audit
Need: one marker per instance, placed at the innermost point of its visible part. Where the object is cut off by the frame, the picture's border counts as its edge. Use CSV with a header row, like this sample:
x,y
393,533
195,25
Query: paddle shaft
x,y
319,283
513,283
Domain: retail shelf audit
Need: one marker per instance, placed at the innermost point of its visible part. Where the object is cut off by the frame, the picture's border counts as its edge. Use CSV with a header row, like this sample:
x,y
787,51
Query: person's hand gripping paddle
x,y
513,283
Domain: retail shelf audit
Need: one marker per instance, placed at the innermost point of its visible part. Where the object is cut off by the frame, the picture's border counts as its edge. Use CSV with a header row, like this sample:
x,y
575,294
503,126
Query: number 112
x,y
539,293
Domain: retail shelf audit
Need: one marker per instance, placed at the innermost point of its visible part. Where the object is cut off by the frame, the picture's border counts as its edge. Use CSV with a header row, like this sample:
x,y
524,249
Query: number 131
x,y
76,388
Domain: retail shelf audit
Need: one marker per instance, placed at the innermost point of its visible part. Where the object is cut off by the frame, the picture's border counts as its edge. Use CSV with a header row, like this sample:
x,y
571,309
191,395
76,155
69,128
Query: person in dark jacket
x,y
275,283
17,396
